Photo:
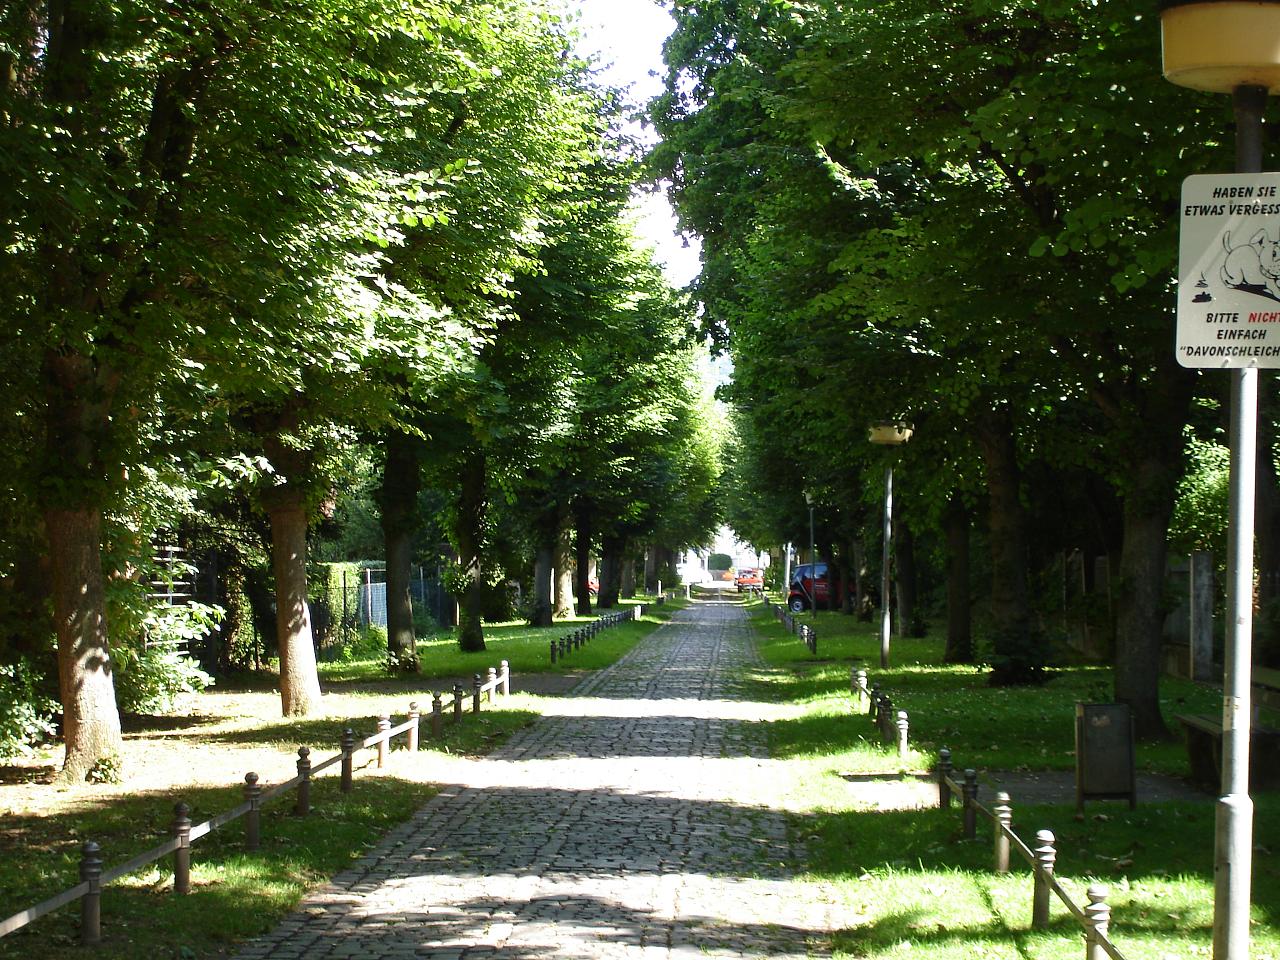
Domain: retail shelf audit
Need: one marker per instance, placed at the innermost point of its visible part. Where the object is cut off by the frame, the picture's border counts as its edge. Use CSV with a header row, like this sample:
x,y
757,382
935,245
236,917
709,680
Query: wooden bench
x,y
1204,750
1266,687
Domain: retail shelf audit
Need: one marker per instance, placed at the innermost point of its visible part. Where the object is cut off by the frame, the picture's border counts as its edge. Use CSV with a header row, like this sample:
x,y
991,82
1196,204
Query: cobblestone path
x,y
632,823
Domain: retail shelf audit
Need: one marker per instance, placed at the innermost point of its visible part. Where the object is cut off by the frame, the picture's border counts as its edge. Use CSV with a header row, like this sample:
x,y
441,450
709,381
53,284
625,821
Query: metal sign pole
x,y
1233,834
886,617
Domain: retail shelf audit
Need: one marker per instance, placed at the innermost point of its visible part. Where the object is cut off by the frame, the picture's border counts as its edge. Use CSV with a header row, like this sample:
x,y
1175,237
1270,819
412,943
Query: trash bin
x,y
1104,753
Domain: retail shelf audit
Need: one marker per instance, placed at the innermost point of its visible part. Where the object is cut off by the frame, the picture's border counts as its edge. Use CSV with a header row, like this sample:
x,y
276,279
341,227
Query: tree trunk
x,y
955,520
650,569
1018,656
863,602
629,578
91,721
582,521
543,606
469,534
299,682
904,563
546,531
1148,504
1266,632
612,550
564,574
398,501
848,588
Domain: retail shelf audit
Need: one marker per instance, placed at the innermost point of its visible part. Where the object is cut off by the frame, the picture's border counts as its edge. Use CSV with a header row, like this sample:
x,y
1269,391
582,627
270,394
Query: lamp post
x,y
813,560
1232,46
888,434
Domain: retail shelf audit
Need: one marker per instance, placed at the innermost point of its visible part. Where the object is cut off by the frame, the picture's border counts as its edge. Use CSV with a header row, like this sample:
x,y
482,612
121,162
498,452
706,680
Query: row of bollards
x,y
1043,857
562,647
890,723
92,875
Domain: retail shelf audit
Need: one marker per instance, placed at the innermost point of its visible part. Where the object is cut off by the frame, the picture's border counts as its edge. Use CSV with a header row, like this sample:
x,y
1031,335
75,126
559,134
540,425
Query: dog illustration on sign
x,y
1253,267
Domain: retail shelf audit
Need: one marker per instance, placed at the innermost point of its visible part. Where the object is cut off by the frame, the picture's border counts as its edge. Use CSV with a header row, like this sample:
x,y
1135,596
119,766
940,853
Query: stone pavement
x,y
634,822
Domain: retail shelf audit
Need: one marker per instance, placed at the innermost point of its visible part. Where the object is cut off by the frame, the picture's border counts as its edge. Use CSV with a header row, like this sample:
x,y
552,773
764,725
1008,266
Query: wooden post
x,y
252,791
413,730
553,652
476,684
384,724
875,700
91,902
944,772
1046,853
1097,922
348,750
506,678
902,734
457,702
437,716
970,804
886,719
1003,822
303,807
182,856
492,683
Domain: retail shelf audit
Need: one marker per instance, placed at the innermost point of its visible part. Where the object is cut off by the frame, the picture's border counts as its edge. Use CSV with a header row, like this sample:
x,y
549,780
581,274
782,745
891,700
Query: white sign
x,y
1229,271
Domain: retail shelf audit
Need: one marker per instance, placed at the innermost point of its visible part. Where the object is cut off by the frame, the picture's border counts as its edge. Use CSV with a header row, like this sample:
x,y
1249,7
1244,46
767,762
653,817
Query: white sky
x,y
626,36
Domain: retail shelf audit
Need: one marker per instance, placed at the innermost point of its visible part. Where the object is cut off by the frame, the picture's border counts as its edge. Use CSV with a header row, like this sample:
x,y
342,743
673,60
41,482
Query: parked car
x,y
803,589
748,579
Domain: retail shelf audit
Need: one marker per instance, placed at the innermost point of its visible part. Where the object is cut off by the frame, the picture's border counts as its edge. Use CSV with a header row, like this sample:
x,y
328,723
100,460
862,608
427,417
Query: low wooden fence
x,y
794,626
1095,917
891,723
93,877
566,645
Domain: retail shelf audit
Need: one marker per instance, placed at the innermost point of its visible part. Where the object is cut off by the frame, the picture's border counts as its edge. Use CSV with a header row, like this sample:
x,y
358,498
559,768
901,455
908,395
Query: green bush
x,y
719,561
26,714
152,671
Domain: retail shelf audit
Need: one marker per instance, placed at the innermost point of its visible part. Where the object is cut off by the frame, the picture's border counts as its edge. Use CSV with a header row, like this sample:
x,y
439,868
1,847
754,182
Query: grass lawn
x,y
905,881
526,648
200,758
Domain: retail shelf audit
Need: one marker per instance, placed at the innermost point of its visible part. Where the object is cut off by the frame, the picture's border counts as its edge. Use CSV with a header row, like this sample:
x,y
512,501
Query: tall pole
x,y
813,568
786,571
886,620
1233,834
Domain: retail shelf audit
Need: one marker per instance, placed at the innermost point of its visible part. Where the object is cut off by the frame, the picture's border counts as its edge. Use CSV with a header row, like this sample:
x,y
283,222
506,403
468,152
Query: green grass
x,y
235,894
908,884
1007,728
525,648
238,894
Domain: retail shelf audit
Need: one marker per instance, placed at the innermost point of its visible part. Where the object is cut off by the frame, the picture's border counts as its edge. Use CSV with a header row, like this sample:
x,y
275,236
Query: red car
x,y
803,589
748,579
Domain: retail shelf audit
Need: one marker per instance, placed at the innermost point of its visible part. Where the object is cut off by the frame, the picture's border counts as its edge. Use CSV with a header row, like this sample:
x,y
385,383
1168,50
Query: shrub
x,y
152,672
26,714
719,562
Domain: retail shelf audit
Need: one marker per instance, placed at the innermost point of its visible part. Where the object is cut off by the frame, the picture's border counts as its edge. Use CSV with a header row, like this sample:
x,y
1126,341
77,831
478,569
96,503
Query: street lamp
x,y
887,433
1231,46
813,560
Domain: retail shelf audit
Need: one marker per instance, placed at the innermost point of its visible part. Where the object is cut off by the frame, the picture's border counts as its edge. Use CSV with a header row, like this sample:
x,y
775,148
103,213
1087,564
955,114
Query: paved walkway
x,y
635,822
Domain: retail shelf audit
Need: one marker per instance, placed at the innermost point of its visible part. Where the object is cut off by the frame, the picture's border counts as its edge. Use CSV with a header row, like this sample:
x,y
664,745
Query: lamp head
x,y
889,432
1219,45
